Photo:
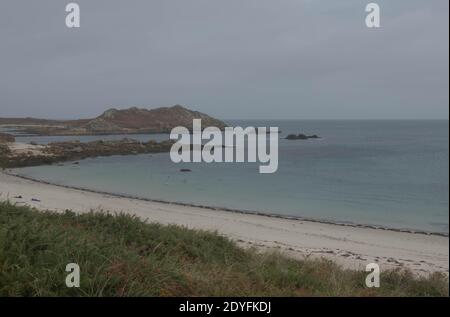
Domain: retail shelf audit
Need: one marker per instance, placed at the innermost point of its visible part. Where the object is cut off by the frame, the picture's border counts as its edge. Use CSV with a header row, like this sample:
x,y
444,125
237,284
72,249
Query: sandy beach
x,y
353,247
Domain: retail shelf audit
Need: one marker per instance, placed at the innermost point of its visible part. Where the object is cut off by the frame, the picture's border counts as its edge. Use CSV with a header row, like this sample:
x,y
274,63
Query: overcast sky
x,y
294,59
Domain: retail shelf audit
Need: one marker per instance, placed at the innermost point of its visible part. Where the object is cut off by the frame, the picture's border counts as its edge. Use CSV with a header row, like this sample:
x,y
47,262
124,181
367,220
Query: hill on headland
x,y
131,120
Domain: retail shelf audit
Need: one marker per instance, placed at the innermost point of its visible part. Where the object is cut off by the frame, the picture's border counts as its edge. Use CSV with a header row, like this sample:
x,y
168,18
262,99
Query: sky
x,y
232,59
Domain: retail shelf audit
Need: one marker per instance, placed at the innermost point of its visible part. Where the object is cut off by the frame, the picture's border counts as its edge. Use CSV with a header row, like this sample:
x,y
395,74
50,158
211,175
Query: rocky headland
x,y
114,121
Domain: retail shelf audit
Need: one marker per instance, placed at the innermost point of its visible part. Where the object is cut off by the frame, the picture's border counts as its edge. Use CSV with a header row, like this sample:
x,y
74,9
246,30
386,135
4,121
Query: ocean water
x,y
388,173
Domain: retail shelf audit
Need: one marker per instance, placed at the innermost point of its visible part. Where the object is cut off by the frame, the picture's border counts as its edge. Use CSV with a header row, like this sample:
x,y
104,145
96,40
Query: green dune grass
x,y
120,255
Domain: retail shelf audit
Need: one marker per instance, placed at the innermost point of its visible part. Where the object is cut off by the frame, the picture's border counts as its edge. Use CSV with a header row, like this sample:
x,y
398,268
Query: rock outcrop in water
x,y
301,137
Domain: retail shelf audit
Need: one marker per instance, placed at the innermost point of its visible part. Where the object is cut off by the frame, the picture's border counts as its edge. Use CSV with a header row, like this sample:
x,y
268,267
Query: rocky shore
x,y
5,138
21,155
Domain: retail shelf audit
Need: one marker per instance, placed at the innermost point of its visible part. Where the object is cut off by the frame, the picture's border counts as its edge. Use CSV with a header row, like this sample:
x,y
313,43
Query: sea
x,y
390,174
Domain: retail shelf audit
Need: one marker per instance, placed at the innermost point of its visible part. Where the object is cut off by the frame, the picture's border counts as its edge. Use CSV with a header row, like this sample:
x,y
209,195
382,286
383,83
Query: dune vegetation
x,y
121,255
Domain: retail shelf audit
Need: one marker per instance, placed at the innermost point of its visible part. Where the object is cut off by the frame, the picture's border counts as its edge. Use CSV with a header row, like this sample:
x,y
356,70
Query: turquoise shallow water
x,y
388,173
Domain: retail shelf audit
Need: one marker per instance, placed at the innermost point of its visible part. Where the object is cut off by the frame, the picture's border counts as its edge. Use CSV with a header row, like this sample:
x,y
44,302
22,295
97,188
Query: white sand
x,y
353,247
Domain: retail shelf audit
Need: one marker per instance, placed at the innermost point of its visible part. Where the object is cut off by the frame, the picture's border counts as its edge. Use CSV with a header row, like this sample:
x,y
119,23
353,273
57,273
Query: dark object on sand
x,y
185,170
34,199
76,163
18,197
301,137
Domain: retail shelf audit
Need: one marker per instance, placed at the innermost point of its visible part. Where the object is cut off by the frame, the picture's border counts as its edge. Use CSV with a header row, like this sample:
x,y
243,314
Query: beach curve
x,y
351,246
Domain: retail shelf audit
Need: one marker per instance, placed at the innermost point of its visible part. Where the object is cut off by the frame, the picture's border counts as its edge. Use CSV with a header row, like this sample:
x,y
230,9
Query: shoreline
x,y
353,246
238,211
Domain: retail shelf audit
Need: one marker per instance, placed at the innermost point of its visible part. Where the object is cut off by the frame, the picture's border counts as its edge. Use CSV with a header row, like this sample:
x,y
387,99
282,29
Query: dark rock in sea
x,y
184,170
76,163
301,137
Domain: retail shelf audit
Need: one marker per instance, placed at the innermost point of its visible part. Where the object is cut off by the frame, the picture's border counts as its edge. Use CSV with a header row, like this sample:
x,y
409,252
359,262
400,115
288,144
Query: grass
x,y
119,255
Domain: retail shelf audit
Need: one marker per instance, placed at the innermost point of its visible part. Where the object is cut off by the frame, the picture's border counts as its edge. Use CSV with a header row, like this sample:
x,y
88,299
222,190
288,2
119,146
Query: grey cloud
x,y
231,59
